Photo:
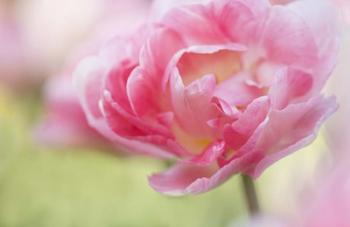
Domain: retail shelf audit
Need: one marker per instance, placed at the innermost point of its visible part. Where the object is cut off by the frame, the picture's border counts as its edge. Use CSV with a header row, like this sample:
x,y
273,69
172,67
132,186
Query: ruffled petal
x,y
288,130
240,20
144,85
183,179
177,179
240,131
292,85
88,79
161,7
210,155
192,104
282,26
195,24
323,20
236,92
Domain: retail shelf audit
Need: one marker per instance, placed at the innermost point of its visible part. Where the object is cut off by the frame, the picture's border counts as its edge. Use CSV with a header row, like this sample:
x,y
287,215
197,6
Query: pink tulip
x,y
223,87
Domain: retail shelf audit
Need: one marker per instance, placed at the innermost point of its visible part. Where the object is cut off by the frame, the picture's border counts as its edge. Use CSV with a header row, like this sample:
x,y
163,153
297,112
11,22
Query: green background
x,y
42,187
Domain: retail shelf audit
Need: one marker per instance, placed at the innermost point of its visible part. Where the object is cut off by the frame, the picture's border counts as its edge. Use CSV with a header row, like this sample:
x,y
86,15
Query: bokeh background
x,y
43,186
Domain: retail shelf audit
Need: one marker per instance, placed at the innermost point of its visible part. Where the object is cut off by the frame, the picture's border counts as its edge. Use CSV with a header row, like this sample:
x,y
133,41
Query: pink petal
x,y
291,129
236,92
175,180
322,19
88,79
116,81
185,179
210,155
241,20
288,40
142,93
156,59
197,61
191,104
161,7
239,132
119,118
144,85
120,121
195,25
292,85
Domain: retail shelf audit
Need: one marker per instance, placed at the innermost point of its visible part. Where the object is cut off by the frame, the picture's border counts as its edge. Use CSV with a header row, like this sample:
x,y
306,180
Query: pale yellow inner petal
x,y
191,143
222,64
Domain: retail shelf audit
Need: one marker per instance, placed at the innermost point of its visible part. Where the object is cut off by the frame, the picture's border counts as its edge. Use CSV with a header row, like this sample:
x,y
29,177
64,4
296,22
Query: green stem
x,y
250,194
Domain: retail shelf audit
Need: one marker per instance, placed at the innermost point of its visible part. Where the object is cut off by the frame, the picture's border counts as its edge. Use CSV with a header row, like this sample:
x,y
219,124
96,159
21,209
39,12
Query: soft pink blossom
x,y
324,204
65,123
329,203
35,36
338,128
344,5
17,69
223,87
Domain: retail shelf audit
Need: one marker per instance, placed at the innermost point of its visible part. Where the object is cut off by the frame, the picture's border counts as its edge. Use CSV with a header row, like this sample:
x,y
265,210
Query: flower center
x,y
240,77
222,64
193,144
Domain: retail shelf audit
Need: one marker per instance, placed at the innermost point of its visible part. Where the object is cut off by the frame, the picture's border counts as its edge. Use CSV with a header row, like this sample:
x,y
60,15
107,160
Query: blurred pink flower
x,y
224,87
30,30
338,128
17,69
65,123
344,5
325,204
329,203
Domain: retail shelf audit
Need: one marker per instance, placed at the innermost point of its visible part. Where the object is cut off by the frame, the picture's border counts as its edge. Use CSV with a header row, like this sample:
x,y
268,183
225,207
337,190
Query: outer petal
x,y
322,19
289,129
240,20
88,80
288,40
286,131
126,123
144,84
161,7
175,180
185,179
217,21
195,25
291,86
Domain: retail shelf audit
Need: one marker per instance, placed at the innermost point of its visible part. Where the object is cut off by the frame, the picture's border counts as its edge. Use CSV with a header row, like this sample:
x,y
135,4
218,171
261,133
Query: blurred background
x,y
49,185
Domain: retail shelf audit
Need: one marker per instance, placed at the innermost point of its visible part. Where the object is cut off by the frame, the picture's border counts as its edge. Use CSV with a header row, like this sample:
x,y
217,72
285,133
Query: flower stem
x,y
250,194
